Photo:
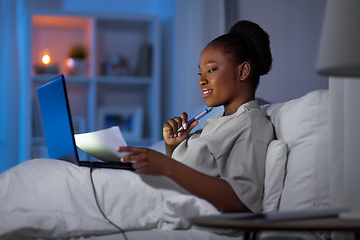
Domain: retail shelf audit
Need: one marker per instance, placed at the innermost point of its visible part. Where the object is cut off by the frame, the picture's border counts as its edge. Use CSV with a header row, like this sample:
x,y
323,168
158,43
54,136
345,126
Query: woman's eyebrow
x,y
207,63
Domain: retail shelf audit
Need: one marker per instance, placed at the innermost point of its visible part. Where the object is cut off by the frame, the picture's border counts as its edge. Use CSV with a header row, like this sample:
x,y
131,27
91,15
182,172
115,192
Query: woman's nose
x,y
203,81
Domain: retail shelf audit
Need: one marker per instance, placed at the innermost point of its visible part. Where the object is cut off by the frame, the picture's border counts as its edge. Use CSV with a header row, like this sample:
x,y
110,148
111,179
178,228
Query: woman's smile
x,y
206,92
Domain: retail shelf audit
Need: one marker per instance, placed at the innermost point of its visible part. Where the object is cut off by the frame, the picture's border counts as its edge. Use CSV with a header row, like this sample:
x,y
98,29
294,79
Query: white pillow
x,y
275,164
303,125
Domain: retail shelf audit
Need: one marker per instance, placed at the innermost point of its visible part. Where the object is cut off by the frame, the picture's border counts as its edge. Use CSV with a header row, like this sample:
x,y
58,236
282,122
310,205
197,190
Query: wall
x,y
196,24
294,28
165,9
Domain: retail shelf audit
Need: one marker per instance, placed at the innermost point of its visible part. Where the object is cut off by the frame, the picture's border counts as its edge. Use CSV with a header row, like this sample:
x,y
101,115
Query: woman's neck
x,y
231,108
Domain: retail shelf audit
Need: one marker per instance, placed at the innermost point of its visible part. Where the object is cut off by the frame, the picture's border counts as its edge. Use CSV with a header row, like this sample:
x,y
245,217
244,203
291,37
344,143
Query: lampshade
x,y
339,53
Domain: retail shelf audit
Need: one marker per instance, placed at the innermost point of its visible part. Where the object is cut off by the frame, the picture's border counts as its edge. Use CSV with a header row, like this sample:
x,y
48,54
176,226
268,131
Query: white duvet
x,y
48,198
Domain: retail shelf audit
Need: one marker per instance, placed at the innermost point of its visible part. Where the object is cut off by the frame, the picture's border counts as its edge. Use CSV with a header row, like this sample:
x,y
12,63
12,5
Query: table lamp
x,y
339,53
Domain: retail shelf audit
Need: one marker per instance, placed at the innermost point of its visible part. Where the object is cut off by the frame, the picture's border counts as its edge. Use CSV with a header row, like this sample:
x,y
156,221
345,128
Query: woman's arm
x,y
215,190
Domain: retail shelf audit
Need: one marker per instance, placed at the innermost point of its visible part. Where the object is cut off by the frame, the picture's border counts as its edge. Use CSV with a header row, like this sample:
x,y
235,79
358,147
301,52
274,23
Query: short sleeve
x,y
244,169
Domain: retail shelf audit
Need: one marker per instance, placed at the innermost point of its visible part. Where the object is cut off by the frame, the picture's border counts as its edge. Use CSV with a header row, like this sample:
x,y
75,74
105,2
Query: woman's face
x,y
219,80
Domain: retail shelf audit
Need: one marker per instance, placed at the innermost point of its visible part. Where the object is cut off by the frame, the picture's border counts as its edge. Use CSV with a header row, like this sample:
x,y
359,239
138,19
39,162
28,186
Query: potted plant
x,y
76,63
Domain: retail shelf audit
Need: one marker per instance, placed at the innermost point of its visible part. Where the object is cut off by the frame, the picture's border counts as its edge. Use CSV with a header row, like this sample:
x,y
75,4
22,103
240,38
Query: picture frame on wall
x,y
129,119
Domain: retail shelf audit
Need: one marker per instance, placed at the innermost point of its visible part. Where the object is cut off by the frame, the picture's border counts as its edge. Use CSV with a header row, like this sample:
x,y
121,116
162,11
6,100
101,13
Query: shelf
x,y
125,80
46,77
135,38
128,80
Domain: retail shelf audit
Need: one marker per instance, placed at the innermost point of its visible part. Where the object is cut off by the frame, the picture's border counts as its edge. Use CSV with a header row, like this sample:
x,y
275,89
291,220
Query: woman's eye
x,y
200,74
211,70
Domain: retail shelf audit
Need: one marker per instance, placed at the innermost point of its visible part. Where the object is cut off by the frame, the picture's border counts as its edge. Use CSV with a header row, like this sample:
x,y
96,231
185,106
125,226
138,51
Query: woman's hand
x,y
147,161
170,131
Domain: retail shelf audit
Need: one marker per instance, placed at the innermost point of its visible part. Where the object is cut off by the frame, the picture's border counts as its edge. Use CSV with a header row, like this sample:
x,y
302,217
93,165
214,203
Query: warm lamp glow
x,y
45,64
46,59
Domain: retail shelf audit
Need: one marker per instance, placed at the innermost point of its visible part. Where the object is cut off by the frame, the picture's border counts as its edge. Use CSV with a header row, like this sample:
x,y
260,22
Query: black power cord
x,y
98,205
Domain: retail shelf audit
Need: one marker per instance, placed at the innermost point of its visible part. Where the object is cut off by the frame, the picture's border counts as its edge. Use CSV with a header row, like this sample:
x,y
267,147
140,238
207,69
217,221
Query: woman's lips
x,y
207,92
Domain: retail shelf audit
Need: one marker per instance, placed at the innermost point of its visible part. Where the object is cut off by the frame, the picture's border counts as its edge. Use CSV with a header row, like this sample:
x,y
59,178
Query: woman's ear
x,y
244,71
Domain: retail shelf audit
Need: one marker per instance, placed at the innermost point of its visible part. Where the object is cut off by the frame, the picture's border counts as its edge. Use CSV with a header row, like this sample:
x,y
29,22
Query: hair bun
x,y
259,39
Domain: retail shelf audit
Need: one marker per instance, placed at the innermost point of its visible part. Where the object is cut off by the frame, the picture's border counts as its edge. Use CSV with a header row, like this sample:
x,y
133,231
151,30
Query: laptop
x,y
58,127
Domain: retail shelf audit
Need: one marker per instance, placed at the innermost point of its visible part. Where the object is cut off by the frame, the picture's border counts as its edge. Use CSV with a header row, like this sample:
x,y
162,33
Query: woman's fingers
x,y
139,165
146,160
184,118
173,125
138,157
170,127
136,154
193,124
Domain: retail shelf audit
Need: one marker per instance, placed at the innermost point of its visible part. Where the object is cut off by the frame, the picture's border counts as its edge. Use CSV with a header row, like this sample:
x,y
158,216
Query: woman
x,y
224,162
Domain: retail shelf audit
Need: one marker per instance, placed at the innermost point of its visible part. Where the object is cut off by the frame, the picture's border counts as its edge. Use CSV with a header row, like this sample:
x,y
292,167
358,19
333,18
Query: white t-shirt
x,y
232,148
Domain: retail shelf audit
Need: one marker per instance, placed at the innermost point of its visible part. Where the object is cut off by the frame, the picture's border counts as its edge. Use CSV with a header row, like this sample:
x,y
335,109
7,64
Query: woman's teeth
x,y
207,91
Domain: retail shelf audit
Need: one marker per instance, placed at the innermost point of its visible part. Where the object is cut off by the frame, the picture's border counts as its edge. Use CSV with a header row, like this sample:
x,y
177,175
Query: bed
x,y
296,178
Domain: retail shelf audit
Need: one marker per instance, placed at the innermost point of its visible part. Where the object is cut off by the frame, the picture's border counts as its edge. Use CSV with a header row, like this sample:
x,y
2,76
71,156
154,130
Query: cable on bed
x,y
98,205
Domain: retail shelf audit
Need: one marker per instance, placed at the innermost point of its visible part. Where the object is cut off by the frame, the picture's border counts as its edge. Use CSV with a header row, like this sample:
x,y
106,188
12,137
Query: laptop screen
x,y
56,119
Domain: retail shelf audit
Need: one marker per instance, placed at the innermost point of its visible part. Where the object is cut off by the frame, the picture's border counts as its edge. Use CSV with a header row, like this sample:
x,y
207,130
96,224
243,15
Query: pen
x,y
197,117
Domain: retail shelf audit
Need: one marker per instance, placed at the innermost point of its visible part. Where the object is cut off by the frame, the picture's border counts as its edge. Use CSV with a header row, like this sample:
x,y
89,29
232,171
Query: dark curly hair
x,y
247,41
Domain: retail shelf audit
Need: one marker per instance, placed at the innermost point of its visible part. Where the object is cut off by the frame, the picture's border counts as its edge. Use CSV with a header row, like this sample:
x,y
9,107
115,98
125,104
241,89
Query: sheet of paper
x,y
102,144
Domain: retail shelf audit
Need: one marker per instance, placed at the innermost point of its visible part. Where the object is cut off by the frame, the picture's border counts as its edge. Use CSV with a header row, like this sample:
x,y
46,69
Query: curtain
x,y
9,85
344,165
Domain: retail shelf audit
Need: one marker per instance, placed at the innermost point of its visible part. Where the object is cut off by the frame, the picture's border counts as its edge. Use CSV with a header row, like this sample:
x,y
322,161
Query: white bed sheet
x,y
46,198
